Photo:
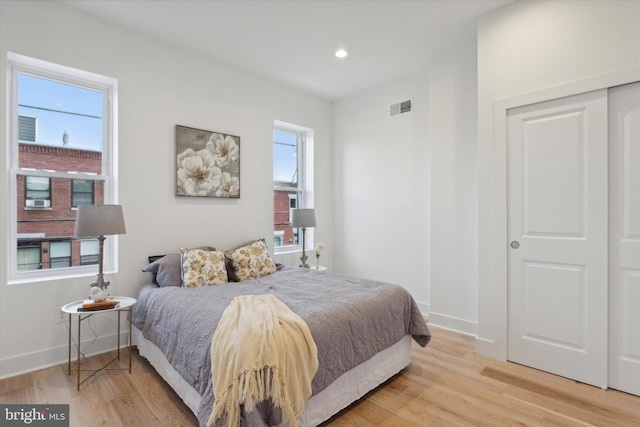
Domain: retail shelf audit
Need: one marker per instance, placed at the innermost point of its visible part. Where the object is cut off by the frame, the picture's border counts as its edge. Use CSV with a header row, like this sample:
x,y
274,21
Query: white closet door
x,y
558,233
624,241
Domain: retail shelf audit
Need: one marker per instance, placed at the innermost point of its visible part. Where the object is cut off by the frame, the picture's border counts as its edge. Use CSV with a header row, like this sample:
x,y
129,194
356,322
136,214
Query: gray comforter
x,y
350,320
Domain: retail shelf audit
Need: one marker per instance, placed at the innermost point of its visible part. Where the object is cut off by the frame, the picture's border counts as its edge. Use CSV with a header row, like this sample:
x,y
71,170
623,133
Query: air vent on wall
x,y
401,108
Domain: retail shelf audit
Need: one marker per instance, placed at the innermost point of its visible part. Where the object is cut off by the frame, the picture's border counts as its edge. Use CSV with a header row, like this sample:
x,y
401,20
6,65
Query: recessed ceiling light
x,y
341,53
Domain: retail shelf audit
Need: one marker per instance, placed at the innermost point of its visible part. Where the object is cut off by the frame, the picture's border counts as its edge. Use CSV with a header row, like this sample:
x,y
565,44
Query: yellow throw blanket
x,y
261,350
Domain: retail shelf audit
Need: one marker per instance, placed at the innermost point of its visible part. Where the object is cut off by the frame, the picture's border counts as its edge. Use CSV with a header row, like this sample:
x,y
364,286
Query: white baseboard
x,y
29,362
453,323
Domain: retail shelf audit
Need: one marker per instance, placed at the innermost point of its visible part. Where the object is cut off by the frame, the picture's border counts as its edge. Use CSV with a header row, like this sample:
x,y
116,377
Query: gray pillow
x,y
166,270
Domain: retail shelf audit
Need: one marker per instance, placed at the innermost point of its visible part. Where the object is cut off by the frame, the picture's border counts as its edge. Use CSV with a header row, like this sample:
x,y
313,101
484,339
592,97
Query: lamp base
x,y
100,282
304,256
303,259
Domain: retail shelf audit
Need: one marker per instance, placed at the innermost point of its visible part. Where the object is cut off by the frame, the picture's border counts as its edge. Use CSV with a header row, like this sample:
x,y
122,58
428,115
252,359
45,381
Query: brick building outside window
x,y
47,207
283,202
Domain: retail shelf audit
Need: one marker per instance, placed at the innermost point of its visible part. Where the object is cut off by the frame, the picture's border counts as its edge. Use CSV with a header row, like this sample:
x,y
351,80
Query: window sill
x,y
35,276
288,250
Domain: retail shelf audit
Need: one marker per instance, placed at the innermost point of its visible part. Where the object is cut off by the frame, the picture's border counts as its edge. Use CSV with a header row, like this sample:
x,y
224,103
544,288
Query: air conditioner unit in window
x,y
39,203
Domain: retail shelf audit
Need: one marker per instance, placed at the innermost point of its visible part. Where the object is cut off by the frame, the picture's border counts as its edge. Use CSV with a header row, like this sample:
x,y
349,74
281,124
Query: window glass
x,y
69,140
287,180
60,254
28,258
67,115
61,155
89,251
82,192
285,158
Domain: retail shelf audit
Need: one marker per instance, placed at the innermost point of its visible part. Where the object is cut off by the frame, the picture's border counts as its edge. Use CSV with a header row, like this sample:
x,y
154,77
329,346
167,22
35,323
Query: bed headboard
x,y
153,258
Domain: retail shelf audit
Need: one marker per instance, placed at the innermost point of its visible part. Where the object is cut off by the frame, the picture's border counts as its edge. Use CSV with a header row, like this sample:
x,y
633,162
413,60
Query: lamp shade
x,y
99,220
303,218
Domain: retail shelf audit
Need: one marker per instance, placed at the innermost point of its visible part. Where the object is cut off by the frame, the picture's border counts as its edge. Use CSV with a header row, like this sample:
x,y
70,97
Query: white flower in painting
x,y
197,172
224,149
229,186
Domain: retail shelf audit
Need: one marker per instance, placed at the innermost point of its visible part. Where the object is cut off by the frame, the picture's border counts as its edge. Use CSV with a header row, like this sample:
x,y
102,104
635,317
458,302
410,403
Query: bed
x,y
362,328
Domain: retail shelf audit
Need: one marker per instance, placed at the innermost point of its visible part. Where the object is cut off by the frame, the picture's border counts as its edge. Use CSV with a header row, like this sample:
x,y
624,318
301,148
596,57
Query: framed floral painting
x,y
207,163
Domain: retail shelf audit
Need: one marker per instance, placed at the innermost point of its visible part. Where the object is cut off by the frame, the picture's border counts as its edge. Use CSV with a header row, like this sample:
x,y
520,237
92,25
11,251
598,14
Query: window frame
x,y
108,86
305,180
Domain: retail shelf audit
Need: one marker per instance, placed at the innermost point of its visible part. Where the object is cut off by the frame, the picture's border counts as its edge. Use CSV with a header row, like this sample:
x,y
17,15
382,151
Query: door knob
x,y
515,244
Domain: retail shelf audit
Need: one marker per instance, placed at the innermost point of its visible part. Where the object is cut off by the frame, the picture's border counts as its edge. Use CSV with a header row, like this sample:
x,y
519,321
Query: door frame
x,y
497,347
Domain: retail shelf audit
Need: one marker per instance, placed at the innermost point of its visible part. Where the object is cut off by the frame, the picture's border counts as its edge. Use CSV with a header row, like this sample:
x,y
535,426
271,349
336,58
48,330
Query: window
x,y
89,252
37,192
81,192
60,254
292,169
277,238
62,140
28,257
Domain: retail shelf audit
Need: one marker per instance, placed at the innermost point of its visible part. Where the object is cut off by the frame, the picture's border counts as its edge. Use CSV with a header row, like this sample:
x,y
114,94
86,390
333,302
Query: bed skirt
x,y
346,389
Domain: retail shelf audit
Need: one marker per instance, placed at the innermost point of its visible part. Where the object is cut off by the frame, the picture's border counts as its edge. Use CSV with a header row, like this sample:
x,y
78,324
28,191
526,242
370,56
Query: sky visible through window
x,y
62,108
285,157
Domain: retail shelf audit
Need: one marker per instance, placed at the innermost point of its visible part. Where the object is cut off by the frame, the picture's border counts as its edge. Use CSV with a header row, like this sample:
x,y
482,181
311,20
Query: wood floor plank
x,y
447,384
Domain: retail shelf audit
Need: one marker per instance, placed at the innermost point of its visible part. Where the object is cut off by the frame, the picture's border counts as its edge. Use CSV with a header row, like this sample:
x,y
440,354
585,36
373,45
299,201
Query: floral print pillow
x,y
251,261
202,268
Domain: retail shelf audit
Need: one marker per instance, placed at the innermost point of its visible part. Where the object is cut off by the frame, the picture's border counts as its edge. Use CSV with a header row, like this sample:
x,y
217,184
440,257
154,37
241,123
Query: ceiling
x,y
293,41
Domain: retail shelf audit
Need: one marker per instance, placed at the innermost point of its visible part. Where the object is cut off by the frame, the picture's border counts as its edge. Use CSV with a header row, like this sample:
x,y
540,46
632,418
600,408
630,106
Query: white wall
x,y
523,48
382,189
159,86
453,204
405,211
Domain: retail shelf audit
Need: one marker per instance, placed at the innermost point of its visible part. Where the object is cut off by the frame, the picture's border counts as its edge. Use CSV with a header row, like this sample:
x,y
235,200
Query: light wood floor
x,y
447,384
